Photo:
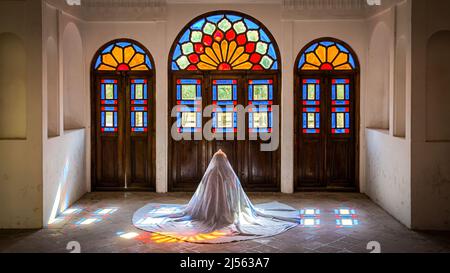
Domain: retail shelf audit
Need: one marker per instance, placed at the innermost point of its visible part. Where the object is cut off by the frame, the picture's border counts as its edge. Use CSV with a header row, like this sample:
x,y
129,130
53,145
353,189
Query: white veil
x,y
219,211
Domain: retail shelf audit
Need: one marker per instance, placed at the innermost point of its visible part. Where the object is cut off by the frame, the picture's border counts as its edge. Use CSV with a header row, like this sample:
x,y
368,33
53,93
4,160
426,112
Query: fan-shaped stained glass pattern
x,y
225,42
327,55
123,56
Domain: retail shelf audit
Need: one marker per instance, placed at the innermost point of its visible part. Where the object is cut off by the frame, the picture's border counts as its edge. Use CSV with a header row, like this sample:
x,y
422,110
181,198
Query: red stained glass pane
x,y
241,39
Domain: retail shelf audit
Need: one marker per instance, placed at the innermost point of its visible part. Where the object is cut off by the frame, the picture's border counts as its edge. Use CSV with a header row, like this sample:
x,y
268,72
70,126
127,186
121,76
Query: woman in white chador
x,y
219,211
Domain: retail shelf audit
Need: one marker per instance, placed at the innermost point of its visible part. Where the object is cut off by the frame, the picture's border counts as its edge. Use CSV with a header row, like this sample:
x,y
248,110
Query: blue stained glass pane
x,y
178,92
103,119
224,81
179,120
250,24
302,61
139,108
340,110
145,119
340,102
139,102
311,110
272,52
234,18
177,52
188,81
274,66
311,81
138,130
132,91
333,92
347,92
317,120
235,92
214,92
115,91
148,62
123,44
199,91
185,37
270,119
327,43
133,124
109,129
250,92
102,92
333,120
311,48
198,25
115,119
108,49
347,120
352,61
145,92
250,120
175,66
215,18
342,48
305,96
199,120
270,92
109,109
264,36
138,49
99,62
317,92
109,81
304,121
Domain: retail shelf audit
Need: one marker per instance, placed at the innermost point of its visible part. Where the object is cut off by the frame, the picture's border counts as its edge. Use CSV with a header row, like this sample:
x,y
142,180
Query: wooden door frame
x,y
355,75
122,75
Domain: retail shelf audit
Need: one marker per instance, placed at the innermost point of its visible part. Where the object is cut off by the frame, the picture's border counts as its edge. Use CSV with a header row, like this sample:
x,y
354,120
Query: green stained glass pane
x,y
340,90
188,119
188,92
109,91
183,62
196,36
340,124
252,36
260,92
139,92
239,27
224,25
209,28
224,92
266,62
139,119
260,120
261,48
109,119
311,120
225,120
187,48
311,92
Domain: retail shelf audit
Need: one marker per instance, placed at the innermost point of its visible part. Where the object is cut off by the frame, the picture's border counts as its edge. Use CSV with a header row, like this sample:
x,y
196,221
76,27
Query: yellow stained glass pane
x,y
340,124
224,48
139,119
189,119
311,120
225,120
344,67
218,51
109,91
231,49
243,58
342,58
309,67
140,67
311,92
312,59
261,92
109,119
340,90
139,92
129,53
138,59
225,92
244,66
108,59
260,120
209,52
188,92
206,59
333,51
321,51
117,52
106,68
237,53
205,66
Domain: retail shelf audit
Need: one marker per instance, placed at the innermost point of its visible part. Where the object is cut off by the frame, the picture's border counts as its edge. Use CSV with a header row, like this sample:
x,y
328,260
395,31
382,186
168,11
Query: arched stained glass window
x,y
327,55
123,56
225,42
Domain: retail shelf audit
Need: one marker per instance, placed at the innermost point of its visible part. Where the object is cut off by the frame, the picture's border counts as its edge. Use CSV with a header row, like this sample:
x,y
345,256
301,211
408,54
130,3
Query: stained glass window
x,y
327,55
225,42
260,94
189,99
139,108
340,111
311,106
123,56
109,106
224,93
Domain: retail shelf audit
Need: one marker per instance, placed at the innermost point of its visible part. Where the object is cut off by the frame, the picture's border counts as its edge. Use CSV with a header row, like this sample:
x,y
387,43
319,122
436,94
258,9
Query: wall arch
x,y
12,87
438,87
378,78
73,78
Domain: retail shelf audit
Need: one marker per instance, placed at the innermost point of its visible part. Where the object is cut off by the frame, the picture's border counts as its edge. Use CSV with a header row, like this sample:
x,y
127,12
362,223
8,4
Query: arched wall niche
x,y
73,78
52,88
438,87
400,87
13,122
378,78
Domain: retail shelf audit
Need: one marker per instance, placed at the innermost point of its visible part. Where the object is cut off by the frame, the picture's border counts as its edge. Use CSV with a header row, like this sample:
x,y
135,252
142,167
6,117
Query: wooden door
x,y
325,131
122,120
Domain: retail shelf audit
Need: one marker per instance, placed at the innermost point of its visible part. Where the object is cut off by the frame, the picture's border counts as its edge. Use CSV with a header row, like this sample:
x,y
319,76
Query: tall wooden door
x,y
326,131
123,136
224,59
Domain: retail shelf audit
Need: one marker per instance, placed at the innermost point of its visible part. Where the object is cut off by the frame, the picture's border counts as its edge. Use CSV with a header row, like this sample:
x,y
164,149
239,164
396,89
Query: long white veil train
x,y
219,212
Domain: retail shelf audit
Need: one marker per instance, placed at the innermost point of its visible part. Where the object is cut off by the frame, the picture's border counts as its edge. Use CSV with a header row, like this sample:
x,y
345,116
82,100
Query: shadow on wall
x,y
13,120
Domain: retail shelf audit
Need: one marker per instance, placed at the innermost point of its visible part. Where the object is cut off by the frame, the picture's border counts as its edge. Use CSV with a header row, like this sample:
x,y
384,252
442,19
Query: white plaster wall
x,y
21,160
430,160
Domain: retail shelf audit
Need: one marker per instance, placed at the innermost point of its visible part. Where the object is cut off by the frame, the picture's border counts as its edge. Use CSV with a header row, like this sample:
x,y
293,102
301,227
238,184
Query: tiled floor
x,y
374,225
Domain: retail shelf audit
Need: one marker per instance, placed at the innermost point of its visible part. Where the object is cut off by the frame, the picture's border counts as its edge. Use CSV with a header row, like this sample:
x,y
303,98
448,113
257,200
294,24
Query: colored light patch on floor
x,y
310,217
87,221
309,213
127,235
72,211
346,218
310,222
105,211
150,221
165,210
